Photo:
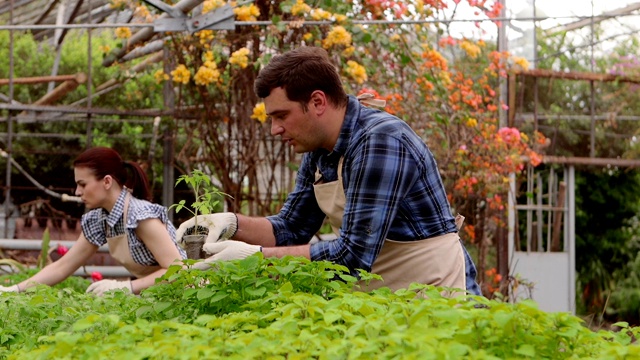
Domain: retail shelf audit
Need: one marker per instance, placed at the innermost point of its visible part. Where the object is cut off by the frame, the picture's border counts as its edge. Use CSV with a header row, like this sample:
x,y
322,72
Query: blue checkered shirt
x,y
393,191
93,226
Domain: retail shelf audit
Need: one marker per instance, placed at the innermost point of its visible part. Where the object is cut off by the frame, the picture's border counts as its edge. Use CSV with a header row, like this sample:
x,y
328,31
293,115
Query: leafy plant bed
x,y
289,308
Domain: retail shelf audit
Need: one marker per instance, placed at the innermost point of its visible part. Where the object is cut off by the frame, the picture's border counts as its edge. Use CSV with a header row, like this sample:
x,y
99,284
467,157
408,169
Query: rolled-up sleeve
x,y
300,217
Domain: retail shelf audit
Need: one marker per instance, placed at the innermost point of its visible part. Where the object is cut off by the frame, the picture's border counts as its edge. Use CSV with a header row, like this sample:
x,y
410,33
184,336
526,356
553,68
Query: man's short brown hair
x,y
300,72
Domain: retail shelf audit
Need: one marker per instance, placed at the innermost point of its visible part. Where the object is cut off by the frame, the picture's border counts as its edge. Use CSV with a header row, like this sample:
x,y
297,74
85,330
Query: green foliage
x,y
625,296
290,308
72,283
602,243
35,58
207,196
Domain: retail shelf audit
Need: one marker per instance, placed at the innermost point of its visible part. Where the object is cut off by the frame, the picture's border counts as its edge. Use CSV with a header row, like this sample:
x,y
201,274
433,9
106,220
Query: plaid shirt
x,y
93,226
393,191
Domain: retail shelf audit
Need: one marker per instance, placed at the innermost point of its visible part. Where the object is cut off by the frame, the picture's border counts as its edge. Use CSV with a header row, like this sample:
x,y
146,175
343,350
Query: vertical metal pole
x,y
167,156
503,45
570,235
89,81
550,202
535,36
512,247
57,40
7,193
592,108
539,218
530,188
504,239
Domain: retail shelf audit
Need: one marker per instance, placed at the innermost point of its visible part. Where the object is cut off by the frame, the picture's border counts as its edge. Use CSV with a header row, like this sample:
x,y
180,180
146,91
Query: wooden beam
x,y
574,75
596,19
79,77
571,160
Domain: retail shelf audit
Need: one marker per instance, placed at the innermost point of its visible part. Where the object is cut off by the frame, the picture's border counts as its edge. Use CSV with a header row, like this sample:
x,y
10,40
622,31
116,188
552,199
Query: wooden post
x,y
511,90
557,218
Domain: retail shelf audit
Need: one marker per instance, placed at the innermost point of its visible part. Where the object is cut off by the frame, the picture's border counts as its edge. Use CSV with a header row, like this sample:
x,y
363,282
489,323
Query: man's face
x,y
297,127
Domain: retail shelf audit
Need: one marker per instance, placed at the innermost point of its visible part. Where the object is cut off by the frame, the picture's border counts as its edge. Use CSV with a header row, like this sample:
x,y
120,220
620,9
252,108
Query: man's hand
x,y
13,288
101,287
222,226
230,250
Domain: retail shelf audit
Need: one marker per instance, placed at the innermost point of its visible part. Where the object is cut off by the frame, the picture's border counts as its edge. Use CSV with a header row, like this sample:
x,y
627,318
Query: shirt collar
x,y
350,118
118,209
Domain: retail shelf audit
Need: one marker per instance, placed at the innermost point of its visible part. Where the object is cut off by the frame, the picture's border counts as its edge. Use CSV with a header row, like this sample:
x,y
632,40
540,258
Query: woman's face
x,y
92,191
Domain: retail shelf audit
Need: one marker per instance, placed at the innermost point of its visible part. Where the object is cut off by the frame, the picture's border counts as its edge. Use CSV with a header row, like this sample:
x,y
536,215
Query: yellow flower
x,y
142,11
356,71
445,79
206,36
210,5
259,112
337,36
300,8
319,14
240,58
105,48
160,76
340,18
521,62
181,74
206,75
307,37
348,51
471,122
208,56
211,64
247,13
472,49
123,33
117,4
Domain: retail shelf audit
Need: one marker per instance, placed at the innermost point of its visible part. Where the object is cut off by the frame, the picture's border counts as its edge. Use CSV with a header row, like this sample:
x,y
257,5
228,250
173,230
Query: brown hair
x,y
300,72
105,161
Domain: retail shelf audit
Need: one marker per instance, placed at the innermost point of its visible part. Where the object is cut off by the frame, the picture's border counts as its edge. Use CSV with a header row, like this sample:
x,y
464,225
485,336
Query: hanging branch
x,y
63,197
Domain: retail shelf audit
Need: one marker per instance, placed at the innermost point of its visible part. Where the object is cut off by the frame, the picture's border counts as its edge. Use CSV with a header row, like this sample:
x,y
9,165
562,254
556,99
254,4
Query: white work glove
x,y
226,250
13,288
222,226
102,286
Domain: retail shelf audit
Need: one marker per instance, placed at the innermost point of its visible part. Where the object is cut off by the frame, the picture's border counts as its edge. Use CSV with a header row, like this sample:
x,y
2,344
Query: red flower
x,y
96,276
62,249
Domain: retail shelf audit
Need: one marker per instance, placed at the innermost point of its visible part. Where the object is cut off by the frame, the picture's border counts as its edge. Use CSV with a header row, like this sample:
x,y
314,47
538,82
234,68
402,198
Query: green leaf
x,y
256,292
526,350
205,293
161,306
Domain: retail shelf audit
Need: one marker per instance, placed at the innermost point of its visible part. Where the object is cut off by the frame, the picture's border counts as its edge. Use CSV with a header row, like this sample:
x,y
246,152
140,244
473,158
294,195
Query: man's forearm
x,y
281,251
255,230
259,231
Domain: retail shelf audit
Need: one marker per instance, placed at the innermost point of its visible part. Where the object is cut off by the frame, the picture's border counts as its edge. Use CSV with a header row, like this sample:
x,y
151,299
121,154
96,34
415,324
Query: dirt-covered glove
x,y
222,226
226,250
13,288
101,287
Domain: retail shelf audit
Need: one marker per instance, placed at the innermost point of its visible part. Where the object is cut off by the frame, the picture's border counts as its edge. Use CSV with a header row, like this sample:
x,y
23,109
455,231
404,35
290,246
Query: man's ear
x,y
318,102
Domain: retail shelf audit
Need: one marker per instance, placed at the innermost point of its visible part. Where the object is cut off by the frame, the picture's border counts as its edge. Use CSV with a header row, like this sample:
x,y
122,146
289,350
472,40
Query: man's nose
x,y
276,129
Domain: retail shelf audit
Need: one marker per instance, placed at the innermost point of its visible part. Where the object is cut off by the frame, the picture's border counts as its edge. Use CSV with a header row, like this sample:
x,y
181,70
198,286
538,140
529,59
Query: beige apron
x,y
435,261
121,252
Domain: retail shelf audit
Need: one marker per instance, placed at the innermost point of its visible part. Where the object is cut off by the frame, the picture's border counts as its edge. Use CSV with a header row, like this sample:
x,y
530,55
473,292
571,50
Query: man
x,y
363,169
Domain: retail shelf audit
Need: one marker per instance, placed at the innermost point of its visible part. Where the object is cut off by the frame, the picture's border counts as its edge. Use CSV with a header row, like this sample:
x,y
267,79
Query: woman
x,y
114,190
